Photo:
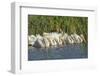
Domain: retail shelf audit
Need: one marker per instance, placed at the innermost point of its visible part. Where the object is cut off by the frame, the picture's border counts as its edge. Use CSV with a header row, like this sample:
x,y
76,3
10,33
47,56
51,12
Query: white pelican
x,y
70,40
76,38
65,38
38,36
39,43
60,42
52,41
82,36
31,39
46,42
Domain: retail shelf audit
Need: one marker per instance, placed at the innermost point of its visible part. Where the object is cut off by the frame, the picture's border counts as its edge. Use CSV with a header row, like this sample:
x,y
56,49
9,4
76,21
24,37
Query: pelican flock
x,y
54,39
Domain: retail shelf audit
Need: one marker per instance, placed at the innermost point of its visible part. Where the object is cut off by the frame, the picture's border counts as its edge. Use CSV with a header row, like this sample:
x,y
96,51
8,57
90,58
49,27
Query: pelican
x,y
65,38
46,42
70,40
46,34
52,41
38,36
31,39
60,42
76,38
82,36
39,43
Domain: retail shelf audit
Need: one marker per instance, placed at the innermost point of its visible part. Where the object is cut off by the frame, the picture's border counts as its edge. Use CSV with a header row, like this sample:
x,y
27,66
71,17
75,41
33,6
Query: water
x,y
69,51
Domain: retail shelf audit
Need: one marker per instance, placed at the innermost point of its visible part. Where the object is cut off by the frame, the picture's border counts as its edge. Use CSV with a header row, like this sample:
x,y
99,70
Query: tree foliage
x,y
37,24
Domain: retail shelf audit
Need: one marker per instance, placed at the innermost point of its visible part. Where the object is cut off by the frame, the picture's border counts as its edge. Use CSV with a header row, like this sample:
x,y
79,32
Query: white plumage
x,y
54,39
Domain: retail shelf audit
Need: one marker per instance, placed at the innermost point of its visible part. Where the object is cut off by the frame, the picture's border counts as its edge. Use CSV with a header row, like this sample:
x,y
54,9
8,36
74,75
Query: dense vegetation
x,y
37,24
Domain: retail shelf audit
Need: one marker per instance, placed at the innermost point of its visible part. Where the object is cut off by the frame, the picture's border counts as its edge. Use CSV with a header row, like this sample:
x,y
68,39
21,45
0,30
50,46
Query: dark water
x,y
70,51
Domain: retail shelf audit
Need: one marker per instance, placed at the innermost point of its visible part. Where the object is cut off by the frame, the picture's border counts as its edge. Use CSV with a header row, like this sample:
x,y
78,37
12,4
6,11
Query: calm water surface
x,y
70,51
